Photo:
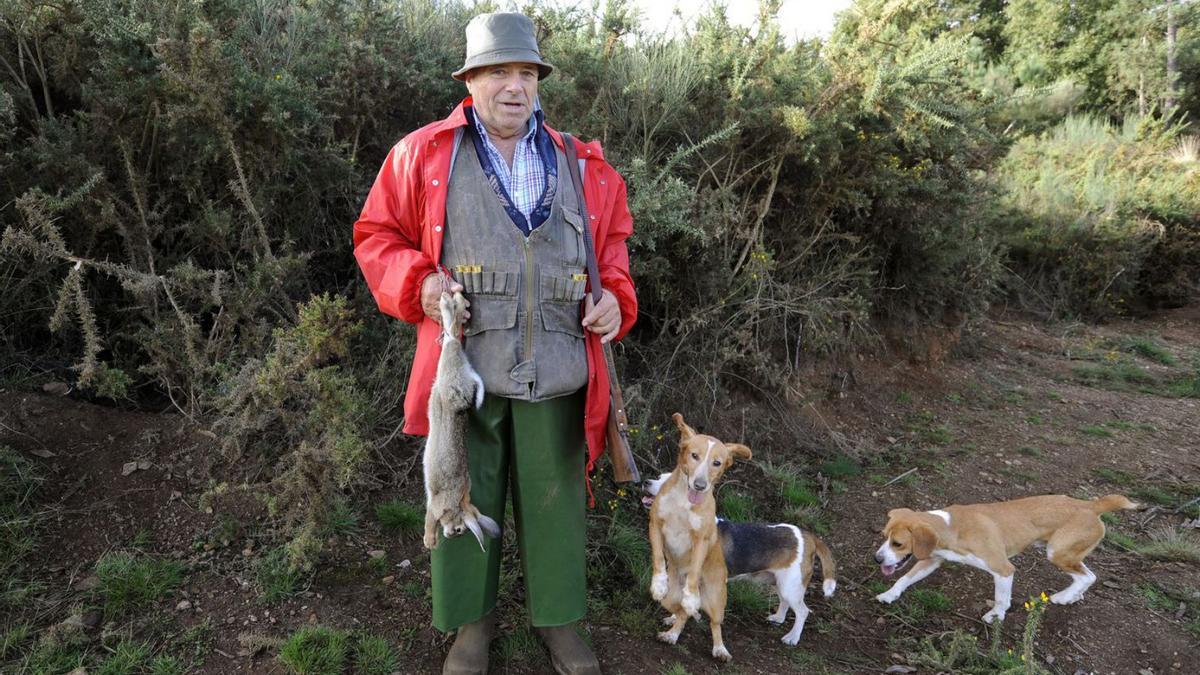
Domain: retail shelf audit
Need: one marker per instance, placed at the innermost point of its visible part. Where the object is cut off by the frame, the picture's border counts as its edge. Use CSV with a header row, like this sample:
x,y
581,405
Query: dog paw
x,y
887,597
668,637
691,605
722,654
669,620
1064,598
777,618
994,616
790,640
658,587
430,541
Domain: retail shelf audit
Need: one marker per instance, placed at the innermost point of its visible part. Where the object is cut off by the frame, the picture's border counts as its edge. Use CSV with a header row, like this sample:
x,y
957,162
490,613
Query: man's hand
x,y
604,318
431,292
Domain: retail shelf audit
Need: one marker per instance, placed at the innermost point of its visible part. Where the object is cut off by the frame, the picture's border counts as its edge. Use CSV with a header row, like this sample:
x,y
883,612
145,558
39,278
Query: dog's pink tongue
x,y
888,570
694,497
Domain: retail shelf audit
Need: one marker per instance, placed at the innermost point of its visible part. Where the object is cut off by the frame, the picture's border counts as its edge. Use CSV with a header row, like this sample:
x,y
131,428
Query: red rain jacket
x,y
398,241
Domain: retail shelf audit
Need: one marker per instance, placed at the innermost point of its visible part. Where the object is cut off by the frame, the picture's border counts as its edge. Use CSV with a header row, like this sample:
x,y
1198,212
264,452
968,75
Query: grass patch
x,y
20,480
517,646
128,582
808,518
797,493
1173,544
629,545
12,639
341,519
1096,430
400,516
127,659
1156,597
165,664
1147,347
196,642
917,604
736,506
1034,419
794,489
1167,600
1119,375
1187,386
749,600
1114,476
931,600
958,651
52,657
315,650
841,467
1029,452
374,655
274,576
1120,540
939,435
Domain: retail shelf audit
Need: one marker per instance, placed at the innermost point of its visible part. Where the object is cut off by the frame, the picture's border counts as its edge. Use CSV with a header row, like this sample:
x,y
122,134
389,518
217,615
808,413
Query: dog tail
x,y
1112,503
828,567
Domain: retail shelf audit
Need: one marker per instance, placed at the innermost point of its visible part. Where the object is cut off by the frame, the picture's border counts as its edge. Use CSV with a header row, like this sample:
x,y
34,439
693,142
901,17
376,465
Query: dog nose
x,y
878,558
701,484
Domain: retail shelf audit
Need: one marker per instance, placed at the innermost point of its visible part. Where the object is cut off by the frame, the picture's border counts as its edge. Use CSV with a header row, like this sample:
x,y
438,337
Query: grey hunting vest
x,y
524,336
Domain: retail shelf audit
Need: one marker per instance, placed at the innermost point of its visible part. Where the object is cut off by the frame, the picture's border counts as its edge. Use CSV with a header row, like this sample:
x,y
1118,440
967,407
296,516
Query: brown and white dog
x,y
987,535
694,553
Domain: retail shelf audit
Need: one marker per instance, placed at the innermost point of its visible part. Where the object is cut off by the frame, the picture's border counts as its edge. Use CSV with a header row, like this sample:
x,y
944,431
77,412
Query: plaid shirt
x,y
526,180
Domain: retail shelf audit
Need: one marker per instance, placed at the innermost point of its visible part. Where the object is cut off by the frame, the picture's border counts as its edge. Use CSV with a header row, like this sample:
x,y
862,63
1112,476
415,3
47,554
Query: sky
x,y
798,18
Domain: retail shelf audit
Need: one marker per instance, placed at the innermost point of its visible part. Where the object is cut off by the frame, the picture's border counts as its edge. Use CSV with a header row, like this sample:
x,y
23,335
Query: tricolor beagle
x,y
695,553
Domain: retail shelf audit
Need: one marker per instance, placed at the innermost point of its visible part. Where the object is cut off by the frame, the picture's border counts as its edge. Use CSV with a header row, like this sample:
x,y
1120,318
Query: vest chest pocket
x,y
562,290
573,249
492,291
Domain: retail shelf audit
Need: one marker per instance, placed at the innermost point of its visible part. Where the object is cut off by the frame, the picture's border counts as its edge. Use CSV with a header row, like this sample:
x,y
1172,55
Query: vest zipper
x,y
529,282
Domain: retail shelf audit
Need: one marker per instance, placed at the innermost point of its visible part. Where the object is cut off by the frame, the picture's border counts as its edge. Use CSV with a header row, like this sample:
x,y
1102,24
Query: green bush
x,y
1099,218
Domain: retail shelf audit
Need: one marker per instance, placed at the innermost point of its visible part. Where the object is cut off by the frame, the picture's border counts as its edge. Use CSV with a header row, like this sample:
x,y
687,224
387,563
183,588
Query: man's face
x,y
504,96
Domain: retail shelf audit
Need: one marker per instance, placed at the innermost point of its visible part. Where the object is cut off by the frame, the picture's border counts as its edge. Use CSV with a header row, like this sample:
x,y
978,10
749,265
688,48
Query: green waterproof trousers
x,y
538,449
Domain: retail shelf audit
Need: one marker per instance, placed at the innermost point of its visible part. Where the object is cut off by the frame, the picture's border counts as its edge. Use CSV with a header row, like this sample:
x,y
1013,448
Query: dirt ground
x,y
1008,413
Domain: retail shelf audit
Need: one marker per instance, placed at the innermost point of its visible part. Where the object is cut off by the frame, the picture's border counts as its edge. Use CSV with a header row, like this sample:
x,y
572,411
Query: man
x,y
483,202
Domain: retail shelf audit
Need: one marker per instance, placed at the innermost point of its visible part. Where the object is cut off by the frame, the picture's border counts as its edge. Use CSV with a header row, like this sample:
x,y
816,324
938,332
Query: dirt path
x,y
1020,409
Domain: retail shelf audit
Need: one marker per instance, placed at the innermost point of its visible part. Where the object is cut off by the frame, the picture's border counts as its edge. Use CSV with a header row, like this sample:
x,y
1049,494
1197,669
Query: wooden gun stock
x,y
619,450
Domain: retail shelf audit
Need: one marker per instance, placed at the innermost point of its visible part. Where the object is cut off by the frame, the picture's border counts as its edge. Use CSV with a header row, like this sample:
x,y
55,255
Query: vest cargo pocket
x,y
491,313
561,292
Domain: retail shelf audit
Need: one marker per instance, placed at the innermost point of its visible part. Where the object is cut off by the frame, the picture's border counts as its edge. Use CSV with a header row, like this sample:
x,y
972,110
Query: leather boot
x,y
568,652
469,653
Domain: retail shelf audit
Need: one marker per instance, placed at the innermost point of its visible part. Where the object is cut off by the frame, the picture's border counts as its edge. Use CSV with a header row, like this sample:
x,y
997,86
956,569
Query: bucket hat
x,y
501,37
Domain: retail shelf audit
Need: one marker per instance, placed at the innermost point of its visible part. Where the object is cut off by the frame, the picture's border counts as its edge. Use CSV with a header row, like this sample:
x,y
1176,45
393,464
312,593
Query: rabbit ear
x,y
685,432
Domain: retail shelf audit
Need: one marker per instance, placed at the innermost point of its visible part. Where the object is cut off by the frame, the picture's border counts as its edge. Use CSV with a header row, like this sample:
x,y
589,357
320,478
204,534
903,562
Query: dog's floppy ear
x,y
739,451
896,513
924,540
685,432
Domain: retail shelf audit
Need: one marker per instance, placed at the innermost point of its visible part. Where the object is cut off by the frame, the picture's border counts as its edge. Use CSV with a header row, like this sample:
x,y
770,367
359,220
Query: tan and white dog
x,y
694,553
987,535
